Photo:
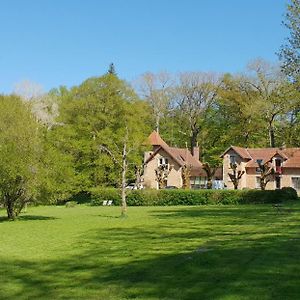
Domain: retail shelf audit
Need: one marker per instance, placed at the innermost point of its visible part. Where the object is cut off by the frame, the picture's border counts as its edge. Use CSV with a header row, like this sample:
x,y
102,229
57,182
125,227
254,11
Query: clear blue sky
x,y
63,42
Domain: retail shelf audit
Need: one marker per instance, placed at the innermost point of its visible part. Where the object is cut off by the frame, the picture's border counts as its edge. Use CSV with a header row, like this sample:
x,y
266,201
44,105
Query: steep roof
x,y
180,155
242,152
154,139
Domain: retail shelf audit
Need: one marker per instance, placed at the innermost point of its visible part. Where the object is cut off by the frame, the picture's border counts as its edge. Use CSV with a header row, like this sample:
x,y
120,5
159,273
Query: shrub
x,y
71,204
98,195
191,197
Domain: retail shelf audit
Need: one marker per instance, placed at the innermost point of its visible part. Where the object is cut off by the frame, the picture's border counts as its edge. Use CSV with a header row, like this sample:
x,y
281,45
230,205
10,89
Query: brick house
x,y
284,161
175,159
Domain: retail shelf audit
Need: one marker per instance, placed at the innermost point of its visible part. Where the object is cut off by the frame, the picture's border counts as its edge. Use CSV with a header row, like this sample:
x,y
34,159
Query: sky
x,y
64,42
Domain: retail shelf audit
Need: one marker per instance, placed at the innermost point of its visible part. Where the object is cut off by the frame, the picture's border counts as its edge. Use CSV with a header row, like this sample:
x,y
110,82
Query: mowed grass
x,y
206,252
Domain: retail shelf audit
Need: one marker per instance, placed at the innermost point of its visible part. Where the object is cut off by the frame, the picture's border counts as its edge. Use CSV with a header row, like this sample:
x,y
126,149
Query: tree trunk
x,y
124,168
10,210
271,136
157,120
193,141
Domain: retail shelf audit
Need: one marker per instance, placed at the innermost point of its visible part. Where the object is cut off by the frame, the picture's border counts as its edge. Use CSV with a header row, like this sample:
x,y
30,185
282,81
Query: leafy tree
x,y
290,52
97,113
20,153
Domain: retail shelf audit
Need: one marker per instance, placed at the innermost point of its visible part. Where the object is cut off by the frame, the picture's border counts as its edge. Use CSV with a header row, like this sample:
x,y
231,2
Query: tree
x,y
124,143
20,153
186,175
266,173
112,70
156,90
195,94
161,173
274,95
235,176
210,172
290,52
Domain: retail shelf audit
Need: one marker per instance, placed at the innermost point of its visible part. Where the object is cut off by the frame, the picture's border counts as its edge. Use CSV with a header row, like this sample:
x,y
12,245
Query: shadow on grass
x,y
128,263
27,218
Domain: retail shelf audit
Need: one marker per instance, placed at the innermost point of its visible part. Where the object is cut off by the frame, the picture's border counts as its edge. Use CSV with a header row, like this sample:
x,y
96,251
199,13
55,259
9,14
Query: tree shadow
x,y
27,218
144,263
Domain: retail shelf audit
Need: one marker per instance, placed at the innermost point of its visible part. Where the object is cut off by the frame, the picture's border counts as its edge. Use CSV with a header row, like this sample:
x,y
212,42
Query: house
x,y
285,163
175,160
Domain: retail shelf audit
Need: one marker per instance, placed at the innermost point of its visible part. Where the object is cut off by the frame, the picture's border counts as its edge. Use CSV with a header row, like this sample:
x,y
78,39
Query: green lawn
x,y
212,252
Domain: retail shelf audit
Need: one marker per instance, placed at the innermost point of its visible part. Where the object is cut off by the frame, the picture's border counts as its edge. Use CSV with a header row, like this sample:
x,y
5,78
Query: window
x,y
163,161
195,182
232,159
257,182
296,183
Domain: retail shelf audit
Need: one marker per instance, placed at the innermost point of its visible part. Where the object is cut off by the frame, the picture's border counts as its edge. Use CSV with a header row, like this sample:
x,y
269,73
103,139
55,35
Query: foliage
x,y
20,153
290,52
192,197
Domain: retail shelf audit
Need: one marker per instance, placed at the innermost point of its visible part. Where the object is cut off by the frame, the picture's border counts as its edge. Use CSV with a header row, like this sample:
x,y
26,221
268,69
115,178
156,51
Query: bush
x,y
98,195
71,204
191,197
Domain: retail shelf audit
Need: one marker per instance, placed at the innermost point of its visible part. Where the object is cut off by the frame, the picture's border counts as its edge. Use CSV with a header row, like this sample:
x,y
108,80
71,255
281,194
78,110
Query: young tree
x,y
235,176
20,153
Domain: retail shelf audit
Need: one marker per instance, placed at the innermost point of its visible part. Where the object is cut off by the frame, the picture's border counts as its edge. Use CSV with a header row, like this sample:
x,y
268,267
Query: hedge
x,y
191,197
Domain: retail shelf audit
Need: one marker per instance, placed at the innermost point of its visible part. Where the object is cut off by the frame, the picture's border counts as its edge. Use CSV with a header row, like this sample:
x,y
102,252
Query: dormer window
x,y
232,159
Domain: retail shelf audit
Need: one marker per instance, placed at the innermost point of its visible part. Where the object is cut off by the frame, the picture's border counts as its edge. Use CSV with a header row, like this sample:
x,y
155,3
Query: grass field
x,y
209,252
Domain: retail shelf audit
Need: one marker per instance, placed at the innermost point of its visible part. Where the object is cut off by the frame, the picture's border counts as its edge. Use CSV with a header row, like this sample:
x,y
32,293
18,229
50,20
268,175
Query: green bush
x,y
191,197
98,195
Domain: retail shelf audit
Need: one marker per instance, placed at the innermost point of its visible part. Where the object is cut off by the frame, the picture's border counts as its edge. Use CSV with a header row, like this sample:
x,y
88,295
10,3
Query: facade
x,y
284,161
175,159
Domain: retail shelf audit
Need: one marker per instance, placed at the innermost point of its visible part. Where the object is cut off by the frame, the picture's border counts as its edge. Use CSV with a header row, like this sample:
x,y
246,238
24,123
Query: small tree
x,y
162,172
235,176
266,173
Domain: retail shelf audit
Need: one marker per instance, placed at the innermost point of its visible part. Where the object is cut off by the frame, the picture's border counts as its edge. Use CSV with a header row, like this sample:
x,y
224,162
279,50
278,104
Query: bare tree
x,y
195,94
274,93
156,89
266,174
122,163
162,172
43,105
235,176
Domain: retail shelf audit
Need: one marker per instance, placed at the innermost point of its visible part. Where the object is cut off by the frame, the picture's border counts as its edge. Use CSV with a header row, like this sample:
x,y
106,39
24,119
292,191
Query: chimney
x,y
196,151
